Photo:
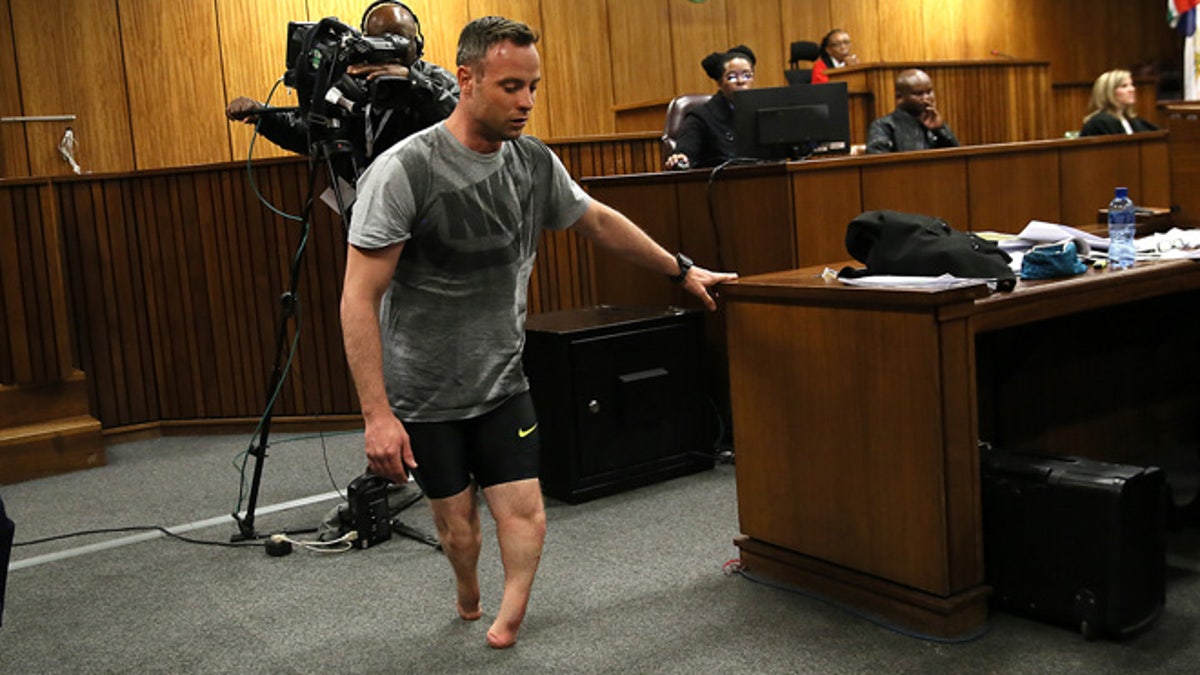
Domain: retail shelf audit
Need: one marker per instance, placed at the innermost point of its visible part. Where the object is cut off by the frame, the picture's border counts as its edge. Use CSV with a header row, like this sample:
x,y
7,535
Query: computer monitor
x,y
791,122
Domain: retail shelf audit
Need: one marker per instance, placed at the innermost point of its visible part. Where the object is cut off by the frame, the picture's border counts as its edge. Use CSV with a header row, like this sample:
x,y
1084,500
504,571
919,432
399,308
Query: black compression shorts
x,y
499,446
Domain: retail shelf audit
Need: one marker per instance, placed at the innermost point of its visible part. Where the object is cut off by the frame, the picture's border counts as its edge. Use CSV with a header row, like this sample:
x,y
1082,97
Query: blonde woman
x,y
1111,110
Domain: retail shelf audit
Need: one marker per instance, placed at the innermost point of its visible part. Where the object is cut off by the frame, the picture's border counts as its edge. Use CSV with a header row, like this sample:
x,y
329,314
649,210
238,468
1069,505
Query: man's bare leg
x,y
521,529
457,521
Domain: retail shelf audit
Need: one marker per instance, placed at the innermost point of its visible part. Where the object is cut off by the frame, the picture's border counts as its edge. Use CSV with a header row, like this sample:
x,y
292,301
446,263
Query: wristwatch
x,y
685,264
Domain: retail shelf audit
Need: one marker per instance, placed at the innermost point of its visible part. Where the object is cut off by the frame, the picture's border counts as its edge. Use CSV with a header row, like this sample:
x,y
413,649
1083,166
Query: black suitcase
x,y
1075,541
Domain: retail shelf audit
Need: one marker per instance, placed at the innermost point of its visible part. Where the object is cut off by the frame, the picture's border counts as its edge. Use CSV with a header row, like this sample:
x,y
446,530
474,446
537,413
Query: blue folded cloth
x,y
1051,261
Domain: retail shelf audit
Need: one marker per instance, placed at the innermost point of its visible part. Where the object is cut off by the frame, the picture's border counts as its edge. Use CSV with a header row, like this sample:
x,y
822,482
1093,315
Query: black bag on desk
x,y
1074,541
910,244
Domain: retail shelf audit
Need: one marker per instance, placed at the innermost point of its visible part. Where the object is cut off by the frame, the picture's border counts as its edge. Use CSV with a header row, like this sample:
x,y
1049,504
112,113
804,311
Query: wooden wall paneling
x,y
561,274
638,55
1070,103
753,218
759,26
253,42
64,82
17,336
956,89
157,305
651,205
257,300
101,297
1183,120
137,350
13,350
14,153
826,201
59,301
808,21
322,353
903,30
1006,190
213,347
861,19
950,28
222,256
933,186
441,23
176,309
69,210
576,68
1031,106
643,118
1155,163
1090,172
697,30
176,89
237,259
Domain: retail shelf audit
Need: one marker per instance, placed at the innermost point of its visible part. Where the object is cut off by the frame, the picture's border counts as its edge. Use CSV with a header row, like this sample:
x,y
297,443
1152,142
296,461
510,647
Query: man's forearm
x,y
364,354
609,229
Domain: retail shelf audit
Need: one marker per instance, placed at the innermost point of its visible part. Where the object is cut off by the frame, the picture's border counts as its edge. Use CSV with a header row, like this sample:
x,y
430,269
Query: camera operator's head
x,y
387,16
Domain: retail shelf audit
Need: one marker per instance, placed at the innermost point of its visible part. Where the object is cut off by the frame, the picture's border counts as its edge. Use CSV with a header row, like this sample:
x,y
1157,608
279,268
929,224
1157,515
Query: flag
x,y
1181,15
1177,11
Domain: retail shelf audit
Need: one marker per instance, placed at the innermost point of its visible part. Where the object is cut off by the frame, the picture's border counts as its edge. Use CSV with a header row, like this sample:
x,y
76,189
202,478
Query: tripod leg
x,y
400,497
415,534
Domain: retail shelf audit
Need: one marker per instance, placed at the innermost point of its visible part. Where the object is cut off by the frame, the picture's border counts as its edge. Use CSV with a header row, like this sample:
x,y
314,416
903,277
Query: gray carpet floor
x,y
631,583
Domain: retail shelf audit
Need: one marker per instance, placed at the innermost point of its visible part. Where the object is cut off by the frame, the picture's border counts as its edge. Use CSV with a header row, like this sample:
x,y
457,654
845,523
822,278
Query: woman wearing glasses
x,y
707,136
834,53
1111,110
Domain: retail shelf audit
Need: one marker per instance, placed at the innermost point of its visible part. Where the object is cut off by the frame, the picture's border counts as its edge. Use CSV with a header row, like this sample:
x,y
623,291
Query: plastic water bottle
x,y
1121,228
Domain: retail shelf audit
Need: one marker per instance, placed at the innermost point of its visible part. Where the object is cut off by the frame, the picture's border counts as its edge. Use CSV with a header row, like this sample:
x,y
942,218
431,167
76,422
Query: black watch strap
x,y
685,264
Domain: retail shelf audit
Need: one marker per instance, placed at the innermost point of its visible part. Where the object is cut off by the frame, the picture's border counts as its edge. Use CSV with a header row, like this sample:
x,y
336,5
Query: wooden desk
x,y
781,216
857,414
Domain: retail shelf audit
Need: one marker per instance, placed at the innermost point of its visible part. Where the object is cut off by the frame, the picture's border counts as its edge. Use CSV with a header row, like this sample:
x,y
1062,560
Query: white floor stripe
x,y
146,536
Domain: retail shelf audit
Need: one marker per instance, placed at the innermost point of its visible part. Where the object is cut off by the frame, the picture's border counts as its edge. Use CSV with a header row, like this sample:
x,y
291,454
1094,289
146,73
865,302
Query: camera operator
x,y
428,94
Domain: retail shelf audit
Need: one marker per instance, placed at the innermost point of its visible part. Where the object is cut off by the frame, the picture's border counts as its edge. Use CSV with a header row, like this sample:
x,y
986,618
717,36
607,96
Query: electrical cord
x,y
250,166
734,566
712,209
137,528
340,545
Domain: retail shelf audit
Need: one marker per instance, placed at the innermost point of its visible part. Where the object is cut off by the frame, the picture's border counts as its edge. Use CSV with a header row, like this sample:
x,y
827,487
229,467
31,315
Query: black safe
x,y
621,397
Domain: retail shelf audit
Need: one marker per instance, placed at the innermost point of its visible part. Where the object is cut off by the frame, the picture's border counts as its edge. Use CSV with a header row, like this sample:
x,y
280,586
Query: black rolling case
x,y
1074,541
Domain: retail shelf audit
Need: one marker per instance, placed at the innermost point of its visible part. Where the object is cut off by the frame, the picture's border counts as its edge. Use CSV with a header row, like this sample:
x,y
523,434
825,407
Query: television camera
x,y
329,98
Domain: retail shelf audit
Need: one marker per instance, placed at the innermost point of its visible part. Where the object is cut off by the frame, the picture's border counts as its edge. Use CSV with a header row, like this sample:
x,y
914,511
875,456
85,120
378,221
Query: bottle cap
x,y
1122,192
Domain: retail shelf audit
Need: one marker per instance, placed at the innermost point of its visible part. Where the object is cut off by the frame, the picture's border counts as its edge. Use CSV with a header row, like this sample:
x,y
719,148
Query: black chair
x,y
802,50
677,109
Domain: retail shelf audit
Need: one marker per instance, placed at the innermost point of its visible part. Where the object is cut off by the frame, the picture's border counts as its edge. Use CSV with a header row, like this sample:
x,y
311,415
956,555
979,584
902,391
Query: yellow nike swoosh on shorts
x,y
522,433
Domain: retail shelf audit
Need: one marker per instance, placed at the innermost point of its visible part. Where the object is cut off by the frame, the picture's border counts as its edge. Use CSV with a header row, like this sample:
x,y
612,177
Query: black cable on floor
x,y
137,528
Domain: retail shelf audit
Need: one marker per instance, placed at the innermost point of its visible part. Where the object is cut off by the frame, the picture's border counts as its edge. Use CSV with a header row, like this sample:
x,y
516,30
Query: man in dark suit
x,y
915,124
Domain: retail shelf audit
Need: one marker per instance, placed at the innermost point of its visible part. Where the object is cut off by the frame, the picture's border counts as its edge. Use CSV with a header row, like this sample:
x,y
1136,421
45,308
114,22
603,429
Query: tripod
x,y
289,308
325,152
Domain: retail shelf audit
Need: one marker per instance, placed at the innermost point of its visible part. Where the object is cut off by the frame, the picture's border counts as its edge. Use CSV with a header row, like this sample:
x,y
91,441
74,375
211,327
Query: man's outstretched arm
x,y
611,230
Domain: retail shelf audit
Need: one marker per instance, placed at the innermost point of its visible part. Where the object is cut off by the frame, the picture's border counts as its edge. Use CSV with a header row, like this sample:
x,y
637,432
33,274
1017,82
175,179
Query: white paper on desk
x,y
1041,232
937,283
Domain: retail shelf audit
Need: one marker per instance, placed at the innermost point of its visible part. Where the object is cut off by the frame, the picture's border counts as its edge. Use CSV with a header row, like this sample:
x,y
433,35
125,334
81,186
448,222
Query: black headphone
x,y
418,39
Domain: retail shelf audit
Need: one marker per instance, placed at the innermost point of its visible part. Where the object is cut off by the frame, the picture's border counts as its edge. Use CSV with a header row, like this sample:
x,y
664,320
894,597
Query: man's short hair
x,y
907,79
479,35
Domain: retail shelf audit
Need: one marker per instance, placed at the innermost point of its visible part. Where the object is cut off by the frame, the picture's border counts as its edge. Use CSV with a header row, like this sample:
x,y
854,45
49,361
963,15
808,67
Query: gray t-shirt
x,y
453,318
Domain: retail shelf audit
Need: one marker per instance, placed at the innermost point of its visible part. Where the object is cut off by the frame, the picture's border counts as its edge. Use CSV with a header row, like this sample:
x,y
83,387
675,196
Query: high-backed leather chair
x,y
802,50
676,110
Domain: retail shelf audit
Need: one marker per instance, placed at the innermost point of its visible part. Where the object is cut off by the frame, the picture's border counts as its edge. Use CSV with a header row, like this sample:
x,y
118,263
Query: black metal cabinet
x,y
620,395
